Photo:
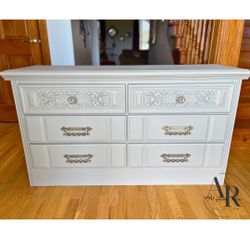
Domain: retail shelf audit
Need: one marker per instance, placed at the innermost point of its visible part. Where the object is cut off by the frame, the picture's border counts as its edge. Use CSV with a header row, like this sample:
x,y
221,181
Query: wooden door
x,y
22,43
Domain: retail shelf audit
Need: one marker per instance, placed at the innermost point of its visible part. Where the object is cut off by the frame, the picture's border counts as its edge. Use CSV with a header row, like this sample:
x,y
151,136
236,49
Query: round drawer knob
x,y
72,100
180,99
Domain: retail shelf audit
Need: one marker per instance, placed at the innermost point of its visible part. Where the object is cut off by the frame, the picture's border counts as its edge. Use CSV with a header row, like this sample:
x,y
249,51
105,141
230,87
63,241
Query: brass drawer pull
x,y
177,130
175,157
76,131
78,158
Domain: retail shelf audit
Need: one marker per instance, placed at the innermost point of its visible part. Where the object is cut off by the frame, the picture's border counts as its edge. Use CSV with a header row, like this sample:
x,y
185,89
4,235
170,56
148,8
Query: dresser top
x,y
127,71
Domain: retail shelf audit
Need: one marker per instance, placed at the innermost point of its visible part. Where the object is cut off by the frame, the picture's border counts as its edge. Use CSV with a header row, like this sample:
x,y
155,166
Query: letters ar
x,y
227,196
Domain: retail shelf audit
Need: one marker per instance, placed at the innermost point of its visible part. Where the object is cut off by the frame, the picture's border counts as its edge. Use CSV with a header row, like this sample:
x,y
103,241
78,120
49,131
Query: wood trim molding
x,y
44,42
226,42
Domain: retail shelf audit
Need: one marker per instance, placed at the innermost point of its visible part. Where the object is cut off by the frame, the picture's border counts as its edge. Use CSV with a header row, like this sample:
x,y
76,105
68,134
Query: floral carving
x,y
100,98
85,98
201,98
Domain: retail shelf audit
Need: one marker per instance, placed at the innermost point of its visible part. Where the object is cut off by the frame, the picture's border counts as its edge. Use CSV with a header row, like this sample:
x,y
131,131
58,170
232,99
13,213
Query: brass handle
x,y
76,131
72,100
175,157
32,40
180,99
78,158
177,130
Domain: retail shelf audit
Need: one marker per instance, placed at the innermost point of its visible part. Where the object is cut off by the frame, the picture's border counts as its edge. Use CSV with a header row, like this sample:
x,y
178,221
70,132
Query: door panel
x,y
14,28
7,108
16,50
19,61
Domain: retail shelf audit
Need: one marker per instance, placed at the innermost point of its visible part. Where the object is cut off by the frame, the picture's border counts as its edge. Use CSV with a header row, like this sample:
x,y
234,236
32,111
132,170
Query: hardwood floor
x,y
19,200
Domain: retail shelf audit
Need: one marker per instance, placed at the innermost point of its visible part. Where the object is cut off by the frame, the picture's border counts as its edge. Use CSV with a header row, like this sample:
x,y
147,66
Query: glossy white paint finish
x,y
44,129
103,155
86,99
149,155
127,108
162,99
205,128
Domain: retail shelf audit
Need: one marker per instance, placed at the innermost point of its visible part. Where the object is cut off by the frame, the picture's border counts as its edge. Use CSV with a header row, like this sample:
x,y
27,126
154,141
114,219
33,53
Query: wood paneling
x,y
207,41
19,200
15,52
193,39
14,28
243,111
226,42
7,109
243,114
245,90
44,42
244,59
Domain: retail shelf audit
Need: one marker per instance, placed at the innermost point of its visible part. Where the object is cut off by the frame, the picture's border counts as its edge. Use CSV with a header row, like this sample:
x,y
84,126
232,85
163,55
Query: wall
x,y
60,42
122,26
95,49
82,54
160,52
89,54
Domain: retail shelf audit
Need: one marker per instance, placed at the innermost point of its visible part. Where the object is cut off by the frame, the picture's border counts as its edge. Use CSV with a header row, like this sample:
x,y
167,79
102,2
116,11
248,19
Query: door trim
x,y
44,42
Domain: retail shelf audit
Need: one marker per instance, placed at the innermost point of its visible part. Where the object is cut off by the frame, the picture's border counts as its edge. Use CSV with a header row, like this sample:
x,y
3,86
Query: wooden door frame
x,y
42,27
226,42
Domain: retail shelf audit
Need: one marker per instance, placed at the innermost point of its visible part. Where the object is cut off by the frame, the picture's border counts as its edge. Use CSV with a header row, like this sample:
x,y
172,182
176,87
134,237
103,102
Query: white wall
x,y
90,54
82,53
160,52
60,42
95,50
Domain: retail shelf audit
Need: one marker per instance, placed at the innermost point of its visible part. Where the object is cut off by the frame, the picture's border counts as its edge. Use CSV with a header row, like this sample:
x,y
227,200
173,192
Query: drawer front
x,y
73,99
180,98
175,155
174,128
78,156
76,128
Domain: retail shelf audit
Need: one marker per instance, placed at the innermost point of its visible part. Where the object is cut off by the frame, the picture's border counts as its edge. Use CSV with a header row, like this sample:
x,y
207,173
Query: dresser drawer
x,y
76,128
78,156
180,98
73,99
176,128
175,155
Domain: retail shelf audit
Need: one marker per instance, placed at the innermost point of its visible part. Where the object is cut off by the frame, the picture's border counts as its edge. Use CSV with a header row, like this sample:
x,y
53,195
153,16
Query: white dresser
x,y
126,125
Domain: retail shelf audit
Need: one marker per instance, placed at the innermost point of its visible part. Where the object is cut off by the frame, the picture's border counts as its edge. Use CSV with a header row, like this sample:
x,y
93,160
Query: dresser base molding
x,y
121,176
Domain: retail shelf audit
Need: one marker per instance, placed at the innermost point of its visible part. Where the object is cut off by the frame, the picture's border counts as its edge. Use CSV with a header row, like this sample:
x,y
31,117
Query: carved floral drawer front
x,y
73,99
180,98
